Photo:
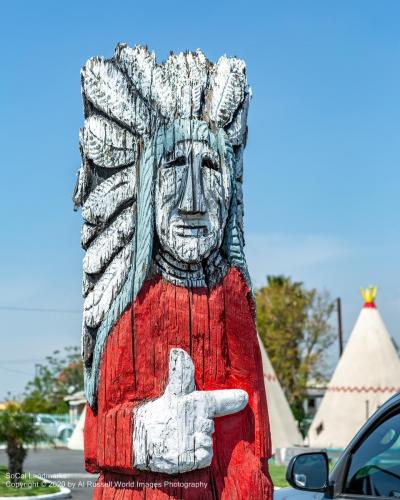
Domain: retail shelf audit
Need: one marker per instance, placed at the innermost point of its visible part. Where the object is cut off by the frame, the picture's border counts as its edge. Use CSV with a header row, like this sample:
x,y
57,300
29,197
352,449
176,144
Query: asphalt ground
x,y
62,466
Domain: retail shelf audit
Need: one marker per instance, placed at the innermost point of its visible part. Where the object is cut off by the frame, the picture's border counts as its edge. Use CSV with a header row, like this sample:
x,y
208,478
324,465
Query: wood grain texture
x,y
107,88
217,328
98,300
106,143
165,278
109,242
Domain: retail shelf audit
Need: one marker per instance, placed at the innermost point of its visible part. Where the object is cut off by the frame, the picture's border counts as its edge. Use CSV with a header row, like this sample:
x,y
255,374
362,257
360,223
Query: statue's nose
x,y
192,199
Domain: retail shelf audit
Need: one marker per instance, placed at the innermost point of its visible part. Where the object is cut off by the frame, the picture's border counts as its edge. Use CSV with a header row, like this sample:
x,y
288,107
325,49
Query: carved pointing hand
x,y
173,433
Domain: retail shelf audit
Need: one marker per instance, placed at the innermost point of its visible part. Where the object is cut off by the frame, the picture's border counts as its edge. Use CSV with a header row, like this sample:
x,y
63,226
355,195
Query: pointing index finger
x,y
226,401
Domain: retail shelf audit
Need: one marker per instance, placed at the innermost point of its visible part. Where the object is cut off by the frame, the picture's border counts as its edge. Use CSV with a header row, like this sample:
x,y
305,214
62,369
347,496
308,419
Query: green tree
x,y
294,325
17,429
60,375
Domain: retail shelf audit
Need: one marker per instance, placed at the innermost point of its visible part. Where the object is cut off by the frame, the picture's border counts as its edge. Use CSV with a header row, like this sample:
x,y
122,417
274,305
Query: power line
x,y
20,360
40,309
15,371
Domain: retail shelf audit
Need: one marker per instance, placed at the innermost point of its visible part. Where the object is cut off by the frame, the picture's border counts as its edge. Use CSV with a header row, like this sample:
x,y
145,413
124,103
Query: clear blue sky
x,y
321,168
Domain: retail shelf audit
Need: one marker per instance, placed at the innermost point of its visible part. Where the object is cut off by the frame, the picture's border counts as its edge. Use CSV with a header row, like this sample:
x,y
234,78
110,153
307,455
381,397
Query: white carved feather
x,y
237,129
109,242
198,75
88,232
228,80
161,92
176,72
88,282
138,63
175,88
107,88
186,75
98,300
82,185
110,195
106,143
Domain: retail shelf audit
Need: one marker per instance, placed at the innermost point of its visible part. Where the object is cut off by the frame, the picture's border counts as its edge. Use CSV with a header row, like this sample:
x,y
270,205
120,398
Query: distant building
x,y
76,402
315,393
284,429
77,410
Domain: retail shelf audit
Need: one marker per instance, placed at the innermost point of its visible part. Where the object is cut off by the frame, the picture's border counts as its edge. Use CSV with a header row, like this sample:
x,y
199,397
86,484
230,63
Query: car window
x,y
375,466
47,420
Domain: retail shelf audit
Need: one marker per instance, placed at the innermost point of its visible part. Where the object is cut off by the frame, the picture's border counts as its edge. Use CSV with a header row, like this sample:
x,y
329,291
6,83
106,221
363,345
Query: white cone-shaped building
x,y
76,440
284,430
367,374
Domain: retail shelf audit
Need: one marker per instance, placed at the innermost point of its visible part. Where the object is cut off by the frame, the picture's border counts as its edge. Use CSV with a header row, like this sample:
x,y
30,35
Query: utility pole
x,y
366,409
340,330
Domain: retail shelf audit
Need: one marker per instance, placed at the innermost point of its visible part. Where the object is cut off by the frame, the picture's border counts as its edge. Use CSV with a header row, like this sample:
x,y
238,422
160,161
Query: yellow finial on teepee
x,y
369,294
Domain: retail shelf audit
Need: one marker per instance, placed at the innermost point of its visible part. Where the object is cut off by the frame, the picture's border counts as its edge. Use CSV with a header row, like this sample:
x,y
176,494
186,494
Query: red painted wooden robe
x,y
216,327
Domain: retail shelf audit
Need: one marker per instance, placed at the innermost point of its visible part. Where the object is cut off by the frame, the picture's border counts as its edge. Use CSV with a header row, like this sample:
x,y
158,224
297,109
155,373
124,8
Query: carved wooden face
x,y
192,199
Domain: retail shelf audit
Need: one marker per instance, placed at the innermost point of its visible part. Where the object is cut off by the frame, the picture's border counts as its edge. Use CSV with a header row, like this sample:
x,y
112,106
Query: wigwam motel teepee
x,y
367,374
284,430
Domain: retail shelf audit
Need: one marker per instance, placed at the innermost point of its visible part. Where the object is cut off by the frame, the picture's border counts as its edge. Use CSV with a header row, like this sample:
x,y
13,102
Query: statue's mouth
x,y
191,231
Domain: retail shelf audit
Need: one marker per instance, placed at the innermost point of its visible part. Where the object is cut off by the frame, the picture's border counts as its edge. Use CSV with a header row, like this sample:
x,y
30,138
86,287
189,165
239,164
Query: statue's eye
x,y
208,163
178,161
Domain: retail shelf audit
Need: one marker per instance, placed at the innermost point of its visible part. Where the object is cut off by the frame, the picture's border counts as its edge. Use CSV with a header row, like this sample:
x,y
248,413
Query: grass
x,y
278,473
28,485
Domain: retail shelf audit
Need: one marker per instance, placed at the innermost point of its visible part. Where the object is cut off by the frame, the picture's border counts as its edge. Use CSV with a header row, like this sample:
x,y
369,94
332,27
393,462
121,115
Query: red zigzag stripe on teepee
x,y
363,389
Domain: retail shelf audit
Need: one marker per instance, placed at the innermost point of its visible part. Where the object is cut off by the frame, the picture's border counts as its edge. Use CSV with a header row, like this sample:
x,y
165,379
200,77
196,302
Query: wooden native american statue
x,y
173,372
